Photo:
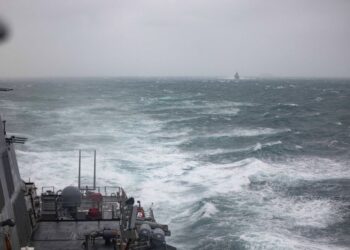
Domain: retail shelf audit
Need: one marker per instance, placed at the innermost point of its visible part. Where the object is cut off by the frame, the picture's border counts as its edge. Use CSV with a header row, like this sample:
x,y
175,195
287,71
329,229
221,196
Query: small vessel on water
x,y
237,76
76,217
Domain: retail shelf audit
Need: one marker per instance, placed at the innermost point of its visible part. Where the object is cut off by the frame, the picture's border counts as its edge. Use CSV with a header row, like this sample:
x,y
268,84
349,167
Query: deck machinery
x,y
97,218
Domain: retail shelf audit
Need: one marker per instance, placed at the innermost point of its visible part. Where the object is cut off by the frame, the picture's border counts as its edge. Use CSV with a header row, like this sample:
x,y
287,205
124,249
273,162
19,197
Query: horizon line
x,y
222,77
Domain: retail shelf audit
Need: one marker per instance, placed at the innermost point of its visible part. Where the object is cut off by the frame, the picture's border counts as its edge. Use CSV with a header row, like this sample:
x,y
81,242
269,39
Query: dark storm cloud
x,y
176,37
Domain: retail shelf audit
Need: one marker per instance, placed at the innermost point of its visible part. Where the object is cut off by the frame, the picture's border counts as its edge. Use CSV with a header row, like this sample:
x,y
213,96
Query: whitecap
x,y
246,132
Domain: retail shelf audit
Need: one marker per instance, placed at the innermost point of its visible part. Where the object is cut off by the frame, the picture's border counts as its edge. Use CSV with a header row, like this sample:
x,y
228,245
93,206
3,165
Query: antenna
x,y
4,122
15,139
79,173
95,169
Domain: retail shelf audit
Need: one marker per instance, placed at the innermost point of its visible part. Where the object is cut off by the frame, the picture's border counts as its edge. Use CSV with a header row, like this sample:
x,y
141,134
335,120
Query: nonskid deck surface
x,y
69,235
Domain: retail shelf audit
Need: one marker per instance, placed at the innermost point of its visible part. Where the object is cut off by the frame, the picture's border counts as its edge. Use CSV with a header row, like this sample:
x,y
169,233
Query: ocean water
x,y
255,164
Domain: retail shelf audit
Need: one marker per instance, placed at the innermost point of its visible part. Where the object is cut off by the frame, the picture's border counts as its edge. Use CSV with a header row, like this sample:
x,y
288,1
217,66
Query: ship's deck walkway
x,y
69,235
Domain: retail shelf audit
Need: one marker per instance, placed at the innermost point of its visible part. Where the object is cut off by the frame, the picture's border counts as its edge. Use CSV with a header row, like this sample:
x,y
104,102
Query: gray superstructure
x,y
13,199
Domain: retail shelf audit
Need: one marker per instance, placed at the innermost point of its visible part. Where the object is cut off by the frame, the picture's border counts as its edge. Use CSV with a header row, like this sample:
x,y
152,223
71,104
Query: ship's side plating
x,y
15,219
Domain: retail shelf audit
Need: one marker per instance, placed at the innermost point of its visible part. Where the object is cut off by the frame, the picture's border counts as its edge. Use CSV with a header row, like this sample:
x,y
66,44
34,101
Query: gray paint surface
x,y
14,204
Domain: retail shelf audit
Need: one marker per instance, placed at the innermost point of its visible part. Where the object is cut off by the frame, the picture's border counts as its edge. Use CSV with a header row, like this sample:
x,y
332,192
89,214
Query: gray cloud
x,y
176,38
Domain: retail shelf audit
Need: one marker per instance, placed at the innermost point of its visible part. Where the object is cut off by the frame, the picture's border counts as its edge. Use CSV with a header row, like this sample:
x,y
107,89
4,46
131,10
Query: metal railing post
x,y
79,169
94,169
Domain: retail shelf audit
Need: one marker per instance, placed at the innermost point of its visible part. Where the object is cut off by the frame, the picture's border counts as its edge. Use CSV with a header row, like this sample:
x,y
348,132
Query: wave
x,y
151,141
244,132
224,178
190,104
221,111
200,210
312,168
285,240
288,104
255,147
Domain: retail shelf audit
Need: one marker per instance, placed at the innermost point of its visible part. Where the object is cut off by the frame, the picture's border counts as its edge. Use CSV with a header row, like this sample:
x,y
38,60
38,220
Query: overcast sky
x,y
65,38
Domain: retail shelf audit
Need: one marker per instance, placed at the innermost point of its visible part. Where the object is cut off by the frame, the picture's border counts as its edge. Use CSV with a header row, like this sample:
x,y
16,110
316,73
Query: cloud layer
x,y
176,38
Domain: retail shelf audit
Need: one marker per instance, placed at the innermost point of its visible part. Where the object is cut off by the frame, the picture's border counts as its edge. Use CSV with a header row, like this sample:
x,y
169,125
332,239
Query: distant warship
x,y
237,76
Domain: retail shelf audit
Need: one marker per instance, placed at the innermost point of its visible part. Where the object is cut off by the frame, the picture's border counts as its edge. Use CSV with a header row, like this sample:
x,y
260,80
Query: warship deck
x,y
69,235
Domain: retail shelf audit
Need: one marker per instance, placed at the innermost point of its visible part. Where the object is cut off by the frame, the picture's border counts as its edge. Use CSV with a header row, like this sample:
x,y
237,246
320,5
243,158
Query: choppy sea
x,y
254,164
